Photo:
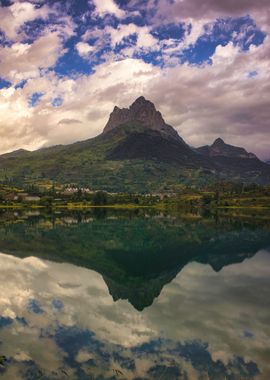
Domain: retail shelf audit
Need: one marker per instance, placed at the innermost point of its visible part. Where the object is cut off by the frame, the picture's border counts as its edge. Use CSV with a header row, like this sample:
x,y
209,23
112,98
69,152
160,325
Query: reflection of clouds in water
x,y
225,309
220,308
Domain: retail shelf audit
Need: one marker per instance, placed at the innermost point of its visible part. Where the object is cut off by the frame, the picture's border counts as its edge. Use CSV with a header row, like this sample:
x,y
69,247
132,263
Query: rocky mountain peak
x,y
142,112
222,149
218,142
141,104
141,100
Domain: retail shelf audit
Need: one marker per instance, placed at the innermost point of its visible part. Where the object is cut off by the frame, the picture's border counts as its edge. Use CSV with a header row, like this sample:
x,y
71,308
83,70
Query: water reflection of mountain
x,y
136,254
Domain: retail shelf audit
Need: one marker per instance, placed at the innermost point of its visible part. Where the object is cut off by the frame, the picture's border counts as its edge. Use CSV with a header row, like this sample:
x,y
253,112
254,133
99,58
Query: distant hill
x,y
233,161
220,149
136,152
15,153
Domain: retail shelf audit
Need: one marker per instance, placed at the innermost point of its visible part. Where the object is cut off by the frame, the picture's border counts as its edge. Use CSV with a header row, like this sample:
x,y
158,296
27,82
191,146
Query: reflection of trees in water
x,y
100,213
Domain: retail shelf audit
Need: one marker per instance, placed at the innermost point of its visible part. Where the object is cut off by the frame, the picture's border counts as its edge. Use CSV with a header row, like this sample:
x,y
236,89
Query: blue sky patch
x,y
57,102
20,84
35,98
34,307
5,321
169,31
57,304
4,84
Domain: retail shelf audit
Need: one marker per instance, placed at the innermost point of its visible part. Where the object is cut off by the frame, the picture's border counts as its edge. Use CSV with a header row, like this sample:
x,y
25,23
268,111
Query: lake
x,y
138,294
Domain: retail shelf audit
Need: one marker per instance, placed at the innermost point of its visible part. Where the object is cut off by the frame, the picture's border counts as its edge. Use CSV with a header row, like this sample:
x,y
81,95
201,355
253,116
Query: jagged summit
x,y
141,112
218,142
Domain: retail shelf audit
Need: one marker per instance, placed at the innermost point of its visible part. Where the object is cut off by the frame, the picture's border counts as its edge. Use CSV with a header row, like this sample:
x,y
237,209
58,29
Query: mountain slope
x,y
100,164
148,144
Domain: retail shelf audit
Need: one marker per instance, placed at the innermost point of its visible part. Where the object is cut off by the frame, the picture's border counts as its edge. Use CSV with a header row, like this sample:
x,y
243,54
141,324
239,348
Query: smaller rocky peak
x,y
118,117
218,142
220,148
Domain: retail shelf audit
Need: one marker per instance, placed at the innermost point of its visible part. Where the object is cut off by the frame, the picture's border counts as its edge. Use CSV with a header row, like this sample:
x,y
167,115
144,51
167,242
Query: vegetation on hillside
x,y
128,159
53,196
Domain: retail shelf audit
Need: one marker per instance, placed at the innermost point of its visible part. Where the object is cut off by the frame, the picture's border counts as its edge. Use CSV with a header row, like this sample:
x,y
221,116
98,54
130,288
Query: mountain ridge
x,y
136,152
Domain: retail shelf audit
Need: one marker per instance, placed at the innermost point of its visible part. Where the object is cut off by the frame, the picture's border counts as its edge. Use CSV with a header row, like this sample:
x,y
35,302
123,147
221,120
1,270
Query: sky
x,y
64,65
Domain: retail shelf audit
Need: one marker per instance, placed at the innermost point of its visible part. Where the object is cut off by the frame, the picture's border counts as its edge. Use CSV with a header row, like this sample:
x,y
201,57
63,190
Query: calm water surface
x,y
138,295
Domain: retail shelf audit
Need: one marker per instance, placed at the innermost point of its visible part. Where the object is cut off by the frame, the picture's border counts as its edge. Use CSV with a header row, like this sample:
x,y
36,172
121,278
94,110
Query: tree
x,y
100,198
206,199
217,196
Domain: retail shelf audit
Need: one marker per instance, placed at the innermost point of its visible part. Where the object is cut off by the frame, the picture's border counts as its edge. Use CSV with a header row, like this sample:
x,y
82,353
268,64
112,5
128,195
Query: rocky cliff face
x,y
220,148
144,113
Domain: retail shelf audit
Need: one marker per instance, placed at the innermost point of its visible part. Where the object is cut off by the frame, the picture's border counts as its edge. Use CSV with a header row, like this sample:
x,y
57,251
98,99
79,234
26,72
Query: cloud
x,y
85,97
84,49
23,61
122,41
144,38
167,11
130,40
196,13
69,121
14,16
108,7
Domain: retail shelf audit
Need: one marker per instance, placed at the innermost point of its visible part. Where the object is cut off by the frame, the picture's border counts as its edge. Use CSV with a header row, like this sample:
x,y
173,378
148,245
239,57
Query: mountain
x,y
220,148
235,162
142,112
136,152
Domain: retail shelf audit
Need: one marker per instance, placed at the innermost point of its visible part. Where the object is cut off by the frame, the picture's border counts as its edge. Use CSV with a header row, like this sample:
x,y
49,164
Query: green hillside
x,y
89,163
